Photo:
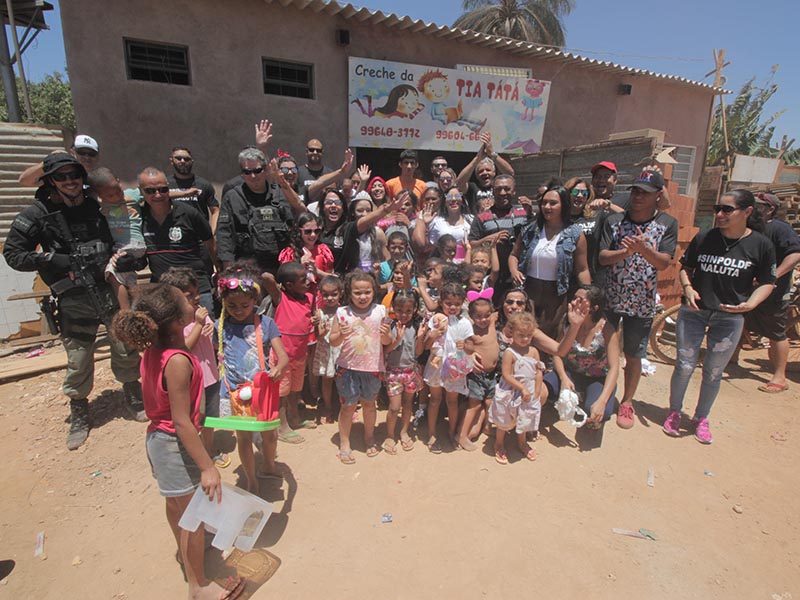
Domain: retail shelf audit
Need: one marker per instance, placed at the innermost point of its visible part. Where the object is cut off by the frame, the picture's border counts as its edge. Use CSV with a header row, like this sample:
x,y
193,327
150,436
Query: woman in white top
x,y
549,258
453,219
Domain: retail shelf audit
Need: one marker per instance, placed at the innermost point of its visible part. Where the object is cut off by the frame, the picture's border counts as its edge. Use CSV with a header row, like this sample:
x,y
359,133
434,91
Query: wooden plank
x,y
33,341
35,295
23,368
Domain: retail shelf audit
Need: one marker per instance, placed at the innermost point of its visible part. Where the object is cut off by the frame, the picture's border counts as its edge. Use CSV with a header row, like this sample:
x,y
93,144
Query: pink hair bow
x,y
485,294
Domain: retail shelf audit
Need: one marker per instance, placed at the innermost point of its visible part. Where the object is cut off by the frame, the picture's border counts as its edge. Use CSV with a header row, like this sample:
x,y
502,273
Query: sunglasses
x,y
724,208
91,153
442,165
255,171
182,158
455,197
67,175
332,201
288,169
316,231
314,150
448,178
162,189
578,193
511,302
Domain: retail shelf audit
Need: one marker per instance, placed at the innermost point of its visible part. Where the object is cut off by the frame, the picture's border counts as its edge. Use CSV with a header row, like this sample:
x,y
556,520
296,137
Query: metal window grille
x,y
162,63
283,78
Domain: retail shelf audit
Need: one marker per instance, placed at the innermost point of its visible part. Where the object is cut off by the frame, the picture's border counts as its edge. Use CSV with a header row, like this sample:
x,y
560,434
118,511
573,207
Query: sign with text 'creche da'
x,y
399,105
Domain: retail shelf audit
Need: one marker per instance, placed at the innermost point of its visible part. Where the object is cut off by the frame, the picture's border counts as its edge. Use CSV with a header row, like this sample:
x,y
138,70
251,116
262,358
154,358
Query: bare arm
x,y
789,262
580,264
271,287
276,370
332,177
30,176
463,177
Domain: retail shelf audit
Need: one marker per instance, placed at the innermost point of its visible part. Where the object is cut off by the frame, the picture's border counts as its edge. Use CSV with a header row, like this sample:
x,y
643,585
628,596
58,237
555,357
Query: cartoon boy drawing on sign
x,y
436,89
534,88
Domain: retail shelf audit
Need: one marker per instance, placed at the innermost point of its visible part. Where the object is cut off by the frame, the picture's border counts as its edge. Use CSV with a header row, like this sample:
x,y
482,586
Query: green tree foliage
x,y
51,100
537,21
749,132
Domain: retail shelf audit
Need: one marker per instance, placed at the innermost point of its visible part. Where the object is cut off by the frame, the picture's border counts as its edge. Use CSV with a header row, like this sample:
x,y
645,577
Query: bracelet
x,y
685,285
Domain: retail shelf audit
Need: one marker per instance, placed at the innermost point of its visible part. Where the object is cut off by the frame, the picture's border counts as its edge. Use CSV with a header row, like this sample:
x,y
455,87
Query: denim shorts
x,y
174,470
212,400
481,385
635,333
357,385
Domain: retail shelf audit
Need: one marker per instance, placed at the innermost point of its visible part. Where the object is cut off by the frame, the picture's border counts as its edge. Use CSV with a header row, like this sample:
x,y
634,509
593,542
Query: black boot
x,y
78,423
133,400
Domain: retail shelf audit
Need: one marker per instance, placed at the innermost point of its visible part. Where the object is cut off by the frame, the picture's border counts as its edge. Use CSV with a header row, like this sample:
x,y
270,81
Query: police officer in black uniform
x,y
64,237
254,223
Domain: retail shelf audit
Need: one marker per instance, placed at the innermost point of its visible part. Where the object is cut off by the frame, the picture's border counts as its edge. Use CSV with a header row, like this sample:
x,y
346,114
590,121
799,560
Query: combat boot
x,y
132,390
78,423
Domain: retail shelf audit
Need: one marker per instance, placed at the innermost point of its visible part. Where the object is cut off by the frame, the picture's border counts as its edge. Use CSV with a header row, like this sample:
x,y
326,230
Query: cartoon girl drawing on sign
x,y
534,88
403,101
436,89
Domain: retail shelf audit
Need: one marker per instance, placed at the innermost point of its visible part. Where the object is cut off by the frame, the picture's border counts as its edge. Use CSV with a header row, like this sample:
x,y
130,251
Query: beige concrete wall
x,y
138,122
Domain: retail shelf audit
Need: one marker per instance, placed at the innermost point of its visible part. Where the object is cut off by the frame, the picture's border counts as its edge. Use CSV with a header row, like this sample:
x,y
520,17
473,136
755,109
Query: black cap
x,y
53,162
649,181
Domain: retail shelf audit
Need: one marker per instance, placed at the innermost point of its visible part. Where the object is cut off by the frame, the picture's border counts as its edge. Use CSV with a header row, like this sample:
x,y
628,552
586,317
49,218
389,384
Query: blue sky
x,y
675,38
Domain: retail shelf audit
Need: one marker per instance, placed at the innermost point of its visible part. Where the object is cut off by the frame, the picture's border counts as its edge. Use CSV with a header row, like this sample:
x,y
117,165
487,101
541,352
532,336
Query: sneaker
x,y
625,415
672,424
78,424
132,391
702,433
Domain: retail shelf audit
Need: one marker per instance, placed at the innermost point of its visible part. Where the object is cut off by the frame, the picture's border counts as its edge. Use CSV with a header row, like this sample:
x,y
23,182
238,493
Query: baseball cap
x,y
766,198
605,164
53,162
649,181
84,141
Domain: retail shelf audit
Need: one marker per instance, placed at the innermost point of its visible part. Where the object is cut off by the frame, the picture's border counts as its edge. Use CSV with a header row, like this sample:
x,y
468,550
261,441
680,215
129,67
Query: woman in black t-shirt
x,y
718,273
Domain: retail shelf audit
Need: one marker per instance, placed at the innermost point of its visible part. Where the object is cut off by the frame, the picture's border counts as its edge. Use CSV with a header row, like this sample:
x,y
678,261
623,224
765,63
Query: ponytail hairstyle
x,y
404,296
745,199
239,278
155,308
597,301
452,290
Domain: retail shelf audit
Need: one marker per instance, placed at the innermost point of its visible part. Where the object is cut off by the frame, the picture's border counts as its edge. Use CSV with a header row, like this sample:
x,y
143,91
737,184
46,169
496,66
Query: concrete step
x,y
15,149
17,165
31,140
28,129
16,189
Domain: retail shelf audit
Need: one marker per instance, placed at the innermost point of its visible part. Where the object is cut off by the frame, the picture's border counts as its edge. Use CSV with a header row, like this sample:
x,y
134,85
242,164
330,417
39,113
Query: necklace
x,y
732,244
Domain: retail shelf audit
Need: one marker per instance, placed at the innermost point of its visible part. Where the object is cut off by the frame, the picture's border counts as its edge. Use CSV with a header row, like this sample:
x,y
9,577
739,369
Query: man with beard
x,y
500,225
313,169
486,165
64,221
198,192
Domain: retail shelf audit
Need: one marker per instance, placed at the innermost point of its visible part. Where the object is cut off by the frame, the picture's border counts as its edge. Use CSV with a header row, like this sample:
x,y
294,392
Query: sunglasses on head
x,y
314,150
511,301
255,171
182,158
317,231
288,169
91,153
67,175
162,189
725,208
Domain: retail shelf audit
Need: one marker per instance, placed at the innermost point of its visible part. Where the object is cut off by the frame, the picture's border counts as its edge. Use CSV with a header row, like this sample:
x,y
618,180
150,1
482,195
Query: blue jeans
x,y
588,387
723,331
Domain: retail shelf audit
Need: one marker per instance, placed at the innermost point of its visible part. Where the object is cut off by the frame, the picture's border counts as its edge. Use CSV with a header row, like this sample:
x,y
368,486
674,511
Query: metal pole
x,y
18,54
9,82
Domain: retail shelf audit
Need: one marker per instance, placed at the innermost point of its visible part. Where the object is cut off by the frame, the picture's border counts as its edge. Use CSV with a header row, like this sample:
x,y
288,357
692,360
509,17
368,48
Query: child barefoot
x,y
172,386
293,306
360,360
481,382
402,344
449,345
324,364
198,336
517,399
243,339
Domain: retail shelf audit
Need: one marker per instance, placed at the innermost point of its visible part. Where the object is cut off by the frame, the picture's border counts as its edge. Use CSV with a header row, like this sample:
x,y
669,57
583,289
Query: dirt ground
x,y
462,526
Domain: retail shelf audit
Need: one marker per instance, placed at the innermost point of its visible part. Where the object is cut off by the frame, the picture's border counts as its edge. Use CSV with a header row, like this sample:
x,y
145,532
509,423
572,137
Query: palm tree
x,y
537,21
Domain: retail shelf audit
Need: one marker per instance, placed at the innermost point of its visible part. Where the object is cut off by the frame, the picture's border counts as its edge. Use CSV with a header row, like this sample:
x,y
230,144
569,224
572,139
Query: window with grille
x,y
283,78
682,172
153,61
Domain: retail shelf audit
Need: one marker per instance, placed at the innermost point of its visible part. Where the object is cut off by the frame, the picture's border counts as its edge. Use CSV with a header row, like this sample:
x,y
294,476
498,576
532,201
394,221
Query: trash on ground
x,y
96,474
39,550
778,436
35,352
629,533
648,534
76,561
737,509
386,518
651,477
648,368
707,472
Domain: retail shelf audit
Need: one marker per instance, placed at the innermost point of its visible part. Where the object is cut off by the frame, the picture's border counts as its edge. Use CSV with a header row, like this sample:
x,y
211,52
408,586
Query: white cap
x,y
84,141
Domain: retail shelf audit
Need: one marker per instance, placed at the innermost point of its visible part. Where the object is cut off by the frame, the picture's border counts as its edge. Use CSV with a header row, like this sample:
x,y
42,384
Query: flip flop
x,y
306,424
234,586
389,446
346,458
531,454
435,447
407,444
222,460
773,388
372,450
501,457
291,437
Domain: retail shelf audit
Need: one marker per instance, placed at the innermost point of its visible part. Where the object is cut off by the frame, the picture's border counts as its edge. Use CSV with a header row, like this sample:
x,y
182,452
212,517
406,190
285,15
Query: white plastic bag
x,y
568,407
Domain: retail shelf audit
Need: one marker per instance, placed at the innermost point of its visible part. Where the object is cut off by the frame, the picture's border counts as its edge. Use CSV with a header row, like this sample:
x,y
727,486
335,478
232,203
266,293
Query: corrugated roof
x,y
405,23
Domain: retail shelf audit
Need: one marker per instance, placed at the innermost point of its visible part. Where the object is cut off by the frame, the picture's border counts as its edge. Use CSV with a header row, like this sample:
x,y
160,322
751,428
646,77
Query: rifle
x,y
87,262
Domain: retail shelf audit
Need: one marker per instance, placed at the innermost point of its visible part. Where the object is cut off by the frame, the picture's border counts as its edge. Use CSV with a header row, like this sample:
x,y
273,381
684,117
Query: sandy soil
x,y
463,526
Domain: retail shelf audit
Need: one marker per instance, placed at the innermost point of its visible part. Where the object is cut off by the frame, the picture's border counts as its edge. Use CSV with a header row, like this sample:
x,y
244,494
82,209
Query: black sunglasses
x,y
182,158
255,171
67,175
162,189
288,169
314,150
91,153
724,208
318,230
511,301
